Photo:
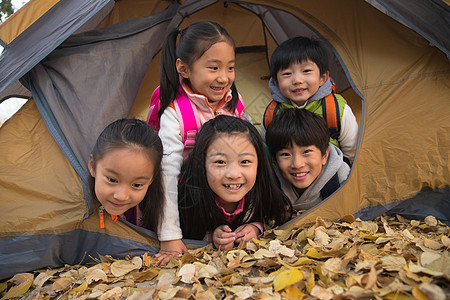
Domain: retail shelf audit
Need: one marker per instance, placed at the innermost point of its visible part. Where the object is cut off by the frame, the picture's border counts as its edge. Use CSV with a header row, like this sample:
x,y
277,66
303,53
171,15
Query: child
x,y
200,67
227,186
300,78
308,166
125,173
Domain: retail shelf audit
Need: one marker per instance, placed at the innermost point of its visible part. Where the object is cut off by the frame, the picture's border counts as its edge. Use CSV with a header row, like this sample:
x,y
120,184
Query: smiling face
x,y
300,165
231,167
300,81
213,73
122,177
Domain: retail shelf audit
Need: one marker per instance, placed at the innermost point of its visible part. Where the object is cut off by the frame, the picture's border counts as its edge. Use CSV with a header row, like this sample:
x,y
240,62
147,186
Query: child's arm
x,y
169,232
349,133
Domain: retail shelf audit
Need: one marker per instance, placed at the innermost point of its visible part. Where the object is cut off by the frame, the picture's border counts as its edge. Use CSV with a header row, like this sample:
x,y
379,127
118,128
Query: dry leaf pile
x,y
388,258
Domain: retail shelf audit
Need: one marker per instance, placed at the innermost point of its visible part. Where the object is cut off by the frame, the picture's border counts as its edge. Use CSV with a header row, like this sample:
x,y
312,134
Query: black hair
x,y
134,133
298,50
199,214
194,41
299,126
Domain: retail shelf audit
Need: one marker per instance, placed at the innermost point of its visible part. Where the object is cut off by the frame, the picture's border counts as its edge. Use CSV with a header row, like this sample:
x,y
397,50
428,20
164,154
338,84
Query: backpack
x,y
187,116
330,111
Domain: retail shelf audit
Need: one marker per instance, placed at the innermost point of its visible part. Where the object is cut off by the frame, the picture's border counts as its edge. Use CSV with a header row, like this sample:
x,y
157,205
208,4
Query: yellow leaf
x,y
310,283
398,296
302,261
79,289
418,294
286,278
23,282
317,254
370,236
292,293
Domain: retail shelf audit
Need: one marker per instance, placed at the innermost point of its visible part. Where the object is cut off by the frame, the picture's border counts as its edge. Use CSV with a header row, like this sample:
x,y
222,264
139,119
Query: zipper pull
x,y
100,214
114,218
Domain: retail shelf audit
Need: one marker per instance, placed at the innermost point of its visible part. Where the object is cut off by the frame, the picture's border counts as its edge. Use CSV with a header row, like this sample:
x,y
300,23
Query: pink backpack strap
x,y
187,118
155,105
240,107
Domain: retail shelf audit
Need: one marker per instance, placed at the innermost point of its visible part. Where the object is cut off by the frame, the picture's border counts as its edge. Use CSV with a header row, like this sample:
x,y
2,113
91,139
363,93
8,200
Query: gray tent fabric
x,y
69,82
433,21
35,43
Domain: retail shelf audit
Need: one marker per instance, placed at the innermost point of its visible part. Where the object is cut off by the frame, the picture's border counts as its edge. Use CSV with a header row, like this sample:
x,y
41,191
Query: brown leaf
x,y
430,221
62,284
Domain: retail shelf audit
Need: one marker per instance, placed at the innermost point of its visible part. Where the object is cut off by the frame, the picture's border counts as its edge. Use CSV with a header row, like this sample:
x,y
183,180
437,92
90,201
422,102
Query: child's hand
x,y
169,249
223,237
246,232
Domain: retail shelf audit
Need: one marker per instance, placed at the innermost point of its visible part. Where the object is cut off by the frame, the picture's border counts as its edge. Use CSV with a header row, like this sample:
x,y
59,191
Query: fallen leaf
x,y
187,272
122,267
39,281
432,291
112,294
23,282
96,275
321,293
431,221
332,267
276,248
286,278
62,284
426,258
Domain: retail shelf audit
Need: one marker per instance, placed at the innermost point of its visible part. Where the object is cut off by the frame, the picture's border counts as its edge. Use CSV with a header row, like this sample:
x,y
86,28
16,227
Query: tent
x,y
86,63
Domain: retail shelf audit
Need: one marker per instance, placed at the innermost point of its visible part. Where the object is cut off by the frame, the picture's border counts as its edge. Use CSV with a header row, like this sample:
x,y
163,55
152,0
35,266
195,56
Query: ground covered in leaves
x,y
388,258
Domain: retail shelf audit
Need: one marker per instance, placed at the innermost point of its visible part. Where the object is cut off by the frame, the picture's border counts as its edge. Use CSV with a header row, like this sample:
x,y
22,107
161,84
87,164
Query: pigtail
x,y
232,104
169,81
152,205
198,211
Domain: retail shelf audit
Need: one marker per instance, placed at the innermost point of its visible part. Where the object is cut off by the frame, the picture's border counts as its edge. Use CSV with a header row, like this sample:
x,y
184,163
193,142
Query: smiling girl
x,y
200,68
125,173
227,188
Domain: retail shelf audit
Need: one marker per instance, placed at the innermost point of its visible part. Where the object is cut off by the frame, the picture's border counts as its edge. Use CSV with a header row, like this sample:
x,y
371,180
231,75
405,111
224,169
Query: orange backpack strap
x,y
270,112
330,111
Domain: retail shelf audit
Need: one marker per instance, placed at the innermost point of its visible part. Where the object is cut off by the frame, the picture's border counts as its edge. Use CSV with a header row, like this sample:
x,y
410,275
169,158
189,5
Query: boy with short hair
x,y
308,166
300,79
